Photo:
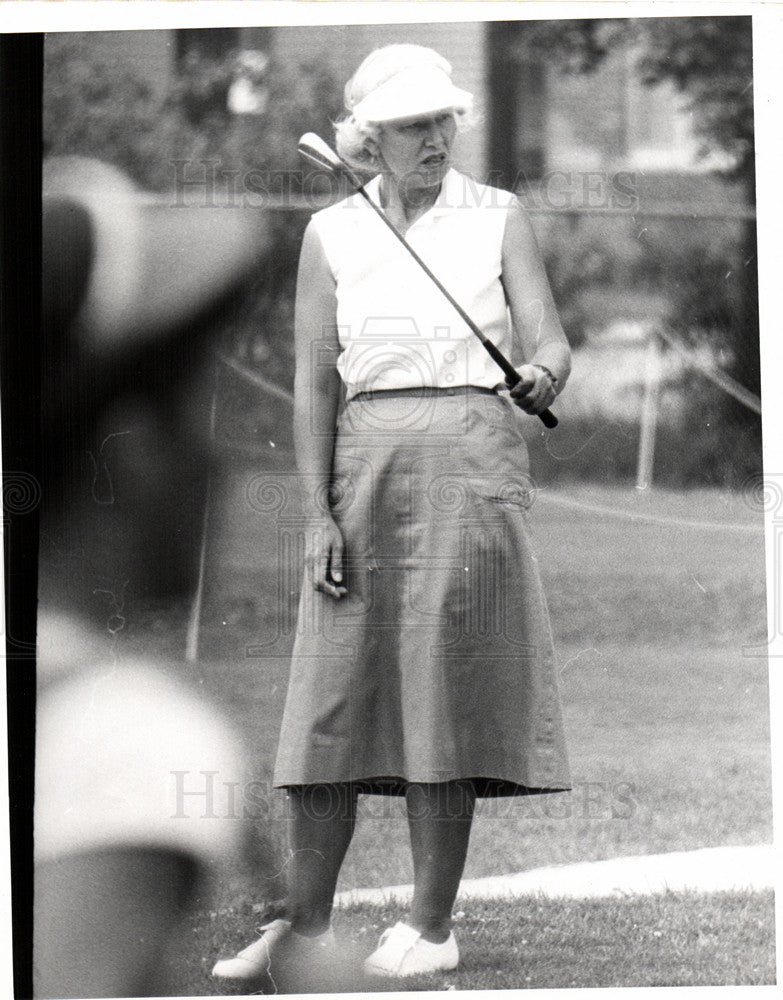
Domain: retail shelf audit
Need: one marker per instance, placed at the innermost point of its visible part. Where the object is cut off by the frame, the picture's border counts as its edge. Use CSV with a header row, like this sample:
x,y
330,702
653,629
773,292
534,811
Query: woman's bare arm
x,y
316,398
533,314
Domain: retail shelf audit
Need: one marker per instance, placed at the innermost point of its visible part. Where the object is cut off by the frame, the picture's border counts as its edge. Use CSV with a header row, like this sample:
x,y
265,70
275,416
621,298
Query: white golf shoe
x,y
279,951
402,951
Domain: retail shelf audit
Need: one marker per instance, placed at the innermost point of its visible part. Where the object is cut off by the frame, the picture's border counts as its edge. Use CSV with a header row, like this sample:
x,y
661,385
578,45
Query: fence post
x,y
194,619
649,413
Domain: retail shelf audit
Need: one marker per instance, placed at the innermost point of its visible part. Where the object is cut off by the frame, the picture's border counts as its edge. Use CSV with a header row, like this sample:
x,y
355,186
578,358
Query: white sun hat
x,y
403,81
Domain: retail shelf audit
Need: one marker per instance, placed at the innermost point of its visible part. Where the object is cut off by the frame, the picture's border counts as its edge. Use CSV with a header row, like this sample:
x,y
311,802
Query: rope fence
x,y
648,420
649,410
715,375
619,249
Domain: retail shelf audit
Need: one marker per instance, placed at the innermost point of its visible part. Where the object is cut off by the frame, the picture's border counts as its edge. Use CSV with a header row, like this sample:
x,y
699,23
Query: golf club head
x,y
313,148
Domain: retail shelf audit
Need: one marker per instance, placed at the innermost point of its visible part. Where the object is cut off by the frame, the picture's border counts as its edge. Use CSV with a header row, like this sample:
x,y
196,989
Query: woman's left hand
x,y
534,392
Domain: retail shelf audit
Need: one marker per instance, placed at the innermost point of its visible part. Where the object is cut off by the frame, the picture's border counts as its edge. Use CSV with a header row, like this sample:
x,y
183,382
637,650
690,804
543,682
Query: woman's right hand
x,y
324,557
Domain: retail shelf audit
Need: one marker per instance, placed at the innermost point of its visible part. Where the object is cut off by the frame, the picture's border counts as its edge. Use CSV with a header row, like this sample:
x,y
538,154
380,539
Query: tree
x,y
709,61
98,104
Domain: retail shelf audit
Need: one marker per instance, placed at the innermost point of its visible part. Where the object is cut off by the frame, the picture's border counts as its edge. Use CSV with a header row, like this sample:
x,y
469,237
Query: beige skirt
x,y
438,665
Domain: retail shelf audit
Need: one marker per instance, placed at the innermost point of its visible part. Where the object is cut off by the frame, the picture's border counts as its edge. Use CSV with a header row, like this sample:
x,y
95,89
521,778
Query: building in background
x,y
670,257
533,120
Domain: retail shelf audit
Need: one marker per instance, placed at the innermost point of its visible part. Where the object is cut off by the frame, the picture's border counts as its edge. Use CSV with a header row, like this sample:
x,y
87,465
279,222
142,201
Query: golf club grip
x,y
546,416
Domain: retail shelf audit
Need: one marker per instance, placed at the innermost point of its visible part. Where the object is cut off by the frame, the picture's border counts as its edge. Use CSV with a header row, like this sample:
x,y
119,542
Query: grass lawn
x,y
676,939
656,599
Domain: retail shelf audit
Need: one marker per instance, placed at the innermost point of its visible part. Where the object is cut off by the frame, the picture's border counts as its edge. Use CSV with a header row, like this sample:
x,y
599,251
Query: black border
x,y
21,86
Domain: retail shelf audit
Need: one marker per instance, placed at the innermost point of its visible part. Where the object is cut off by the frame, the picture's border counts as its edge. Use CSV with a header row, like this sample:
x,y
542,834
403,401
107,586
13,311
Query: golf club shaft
x,y
333,161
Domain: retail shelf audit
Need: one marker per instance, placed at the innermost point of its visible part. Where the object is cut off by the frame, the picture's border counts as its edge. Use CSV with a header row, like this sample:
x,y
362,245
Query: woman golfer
x,y
423,664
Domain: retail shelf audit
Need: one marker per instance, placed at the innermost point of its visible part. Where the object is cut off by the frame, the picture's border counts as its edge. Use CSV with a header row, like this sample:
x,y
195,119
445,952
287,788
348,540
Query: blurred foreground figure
x,y
131,290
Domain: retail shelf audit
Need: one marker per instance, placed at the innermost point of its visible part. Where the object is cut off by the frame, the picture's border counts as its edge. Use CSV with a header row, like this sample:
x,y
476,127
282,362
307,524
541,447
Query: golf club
x,y
313,148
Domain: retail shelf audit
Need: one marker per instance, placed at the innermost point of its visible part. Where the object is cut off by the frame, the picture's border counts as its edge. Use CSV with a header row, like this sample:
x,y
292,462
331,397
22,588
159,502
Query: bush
x,y
98,105
692,265
701,454
94,106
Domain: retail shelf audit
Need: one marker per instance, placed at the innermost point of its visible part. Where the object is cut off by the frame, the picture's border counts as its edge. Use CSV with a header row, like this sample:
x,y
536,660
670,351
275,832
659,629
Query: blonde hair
x,y
353,137
351,141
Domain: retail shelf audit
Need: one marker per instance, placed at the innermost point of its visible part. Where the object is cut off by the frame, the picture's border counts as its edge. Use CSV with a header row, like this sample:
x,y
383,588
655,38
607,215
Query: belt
x,y
423,392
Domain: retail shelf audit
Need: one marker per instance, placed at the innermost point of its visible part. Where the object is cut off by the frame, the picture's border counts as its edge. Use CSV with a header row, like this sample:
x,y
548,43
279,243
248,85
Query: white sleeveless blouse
x,y
396,329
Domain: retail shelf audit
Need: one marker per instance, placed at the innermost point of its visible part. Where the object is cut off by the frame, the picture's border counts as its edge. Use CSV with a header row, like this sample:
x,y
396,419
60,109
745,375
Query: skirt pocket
x,y
493,453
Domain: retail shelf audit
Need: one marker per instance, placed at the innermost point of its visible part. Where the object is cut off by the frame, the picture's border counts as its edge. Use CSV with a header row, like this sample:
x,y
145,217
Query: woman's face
x,y
417,151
